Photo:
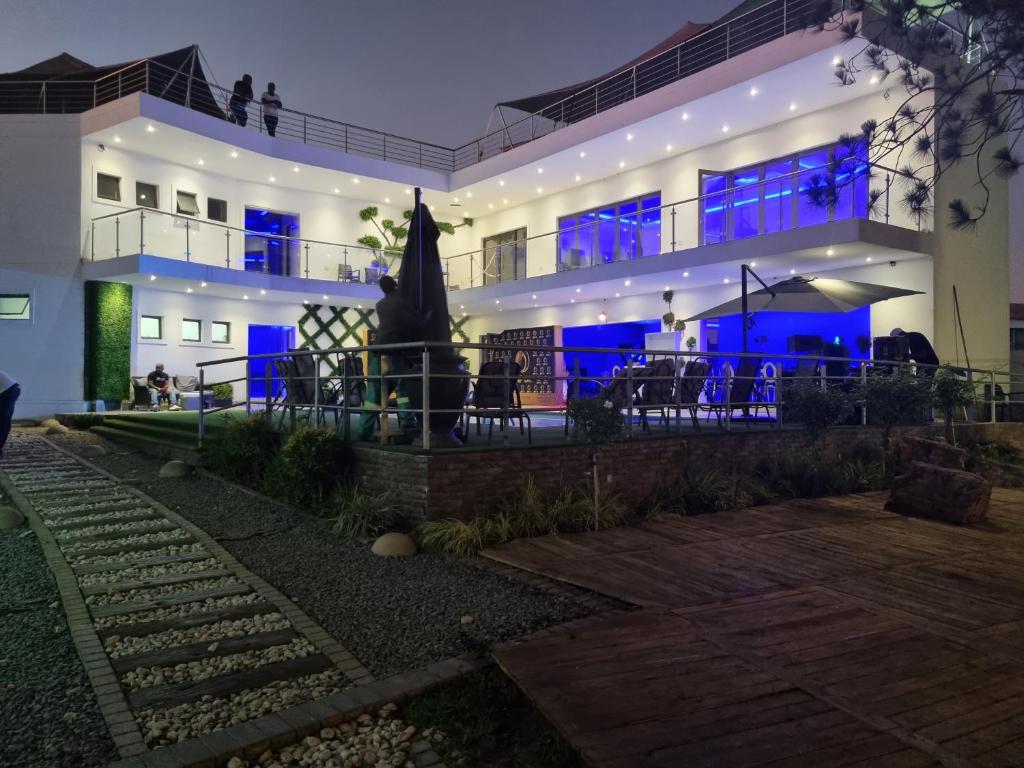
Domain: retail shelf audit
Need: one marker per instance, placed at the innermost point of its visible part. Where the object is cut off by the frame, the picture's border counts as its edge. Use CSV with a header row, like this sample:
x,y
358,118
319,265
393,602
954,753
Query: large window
x,y
505,256
622,231
810,187
151,327
108,187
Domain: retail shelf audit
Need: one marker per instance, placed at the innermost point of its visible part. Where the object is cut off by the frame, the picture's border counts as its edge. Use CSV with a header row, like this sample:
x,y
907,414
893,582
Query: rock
x,y
235,762
93,451
911,449
57,429
47,423
10,518
939,493
175,469
467,619
394,545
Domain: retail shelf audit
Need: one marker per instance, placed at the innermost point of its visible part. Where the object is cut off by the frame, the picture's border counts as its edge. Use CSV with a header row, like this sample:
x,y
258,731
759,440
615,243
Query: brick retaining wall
x,y
465,483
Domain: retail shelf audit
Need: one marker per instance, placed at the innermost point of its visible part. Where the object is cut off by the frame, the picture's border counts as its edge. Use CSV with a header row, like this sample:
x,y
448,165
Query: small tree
x,y
817,409
950,393
896,398
394,234
596,421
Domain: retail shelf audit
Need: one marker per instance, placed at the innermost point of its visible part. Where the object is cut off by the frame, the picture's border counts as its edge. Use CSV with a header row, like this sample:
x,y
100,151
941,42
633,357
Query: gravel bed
x,y
99,517
175,611
175,724
72,548
48,713
166,590
140,555
96,530
58,509
211,666
118,647
36,487
393,614
148,572
367,740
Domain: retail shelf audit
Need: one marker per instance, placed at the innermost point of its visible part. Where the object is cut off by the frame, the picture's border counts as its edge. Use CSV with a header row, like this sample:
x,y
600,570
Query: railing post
x,y
147,75
629,397
188,241
506,426
778,397
677,389
673,229
92,243
202,406
346,430
266,382
426,399
863,389
117,237
974,392
992,396
728,398
307,261
316,390
93,92
142,232
728,35
227,248
248,388
303,129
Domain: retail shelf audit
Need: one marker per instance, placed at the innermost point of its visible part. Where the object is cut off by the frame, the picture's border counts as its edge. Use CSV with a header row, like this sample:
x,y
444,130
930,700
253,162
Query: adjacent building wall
x,y
40,165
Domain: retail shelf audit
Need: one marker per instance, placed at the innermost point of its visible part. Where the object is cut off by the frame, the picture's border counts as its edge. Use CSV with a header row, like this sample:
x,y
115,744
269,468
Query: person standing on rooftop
x,y
271,101
9,391
240,97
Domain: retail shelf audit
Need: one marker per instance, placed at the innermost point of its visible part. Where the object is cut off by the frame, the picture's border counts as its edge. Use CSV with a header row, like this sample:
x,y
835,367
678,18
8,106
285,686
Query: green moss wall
x,y
108,340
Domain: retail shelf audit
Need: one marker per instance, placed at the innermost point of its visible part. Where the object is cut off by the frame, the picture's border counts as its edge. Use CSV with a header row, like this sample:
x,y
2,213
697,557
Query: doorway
x,y
267,248
263,340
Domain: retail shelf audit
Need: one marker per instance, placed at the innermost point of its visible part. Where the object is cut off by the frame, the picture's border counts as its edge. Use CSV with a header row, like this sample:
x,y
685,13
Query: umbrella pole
x,y
419,241
744,269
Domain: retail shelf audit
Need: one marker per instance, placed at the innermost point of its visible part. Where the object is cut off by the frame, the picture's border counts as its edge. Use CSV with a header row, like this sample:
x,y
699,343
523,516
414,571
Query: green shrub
x,y
454,537
80,420
949,394
795,478
896,398
366,515
698,492
1002,453
223,392
817,409
244,450
596,420
308,467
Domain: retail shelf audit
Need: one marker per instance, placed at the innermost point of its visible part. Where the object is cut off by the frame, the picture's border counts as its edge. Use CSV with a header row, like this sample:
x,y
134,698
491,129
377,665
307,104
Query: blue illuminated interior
x,y
624,336
268,253
842,333
265,339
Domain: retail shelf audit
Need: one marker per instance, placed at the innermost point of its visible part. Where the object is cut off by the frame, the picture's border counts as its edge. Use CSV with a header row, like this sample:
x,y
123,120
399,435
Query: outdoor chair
x,y
140,393
347,274
496,395
298,376
692,385
658,391
743,393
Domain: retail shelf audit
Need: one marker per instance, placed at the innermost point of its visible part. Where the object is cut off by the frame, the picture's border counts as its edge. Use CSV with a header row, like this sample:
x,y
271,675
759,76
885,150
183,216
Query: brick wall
x,y
468,482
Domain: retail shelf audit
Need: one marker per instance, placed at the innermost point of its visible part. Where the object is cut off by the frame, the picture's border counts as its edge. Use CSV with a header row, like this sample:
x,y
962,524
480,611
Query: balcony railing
x,y
325,387
770,21
185,238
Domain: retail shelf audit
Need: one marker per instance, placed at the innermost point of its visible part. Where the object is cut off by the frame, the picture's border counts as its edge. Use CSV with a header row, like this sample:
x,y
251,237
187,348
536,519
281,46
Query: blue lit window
x,y
746,200
851,169
714,208
813,174
778,196
618,232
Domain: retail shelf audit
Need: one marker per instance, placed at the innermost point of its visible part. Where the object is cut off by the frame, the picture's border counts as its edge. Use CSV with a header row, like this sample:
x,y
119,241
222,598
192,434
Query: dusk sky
x,y
428,70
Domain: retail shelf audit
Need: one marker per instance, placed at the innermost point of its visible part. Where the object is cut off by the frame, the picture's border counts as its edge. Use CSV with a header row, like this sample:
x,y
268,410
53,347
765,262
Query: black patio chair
x,y
658,391
496,395
692,385
743,393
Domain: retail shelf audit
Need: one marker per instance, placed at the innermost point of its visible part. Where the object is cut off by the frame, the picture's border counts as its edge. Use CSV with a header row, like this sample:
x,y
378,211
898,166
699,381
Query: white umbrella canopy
x,y
808,294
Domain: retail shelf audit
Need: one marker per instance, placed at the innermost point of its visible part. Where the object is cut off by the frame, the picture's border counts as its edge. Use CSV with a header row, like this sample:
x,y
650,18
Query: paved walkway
x,y
810,633
174,633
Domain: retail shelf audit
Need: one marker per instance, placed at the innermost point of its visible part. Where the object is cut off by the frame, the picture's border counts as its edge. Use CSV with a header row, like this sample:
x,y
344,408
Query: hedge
x,y
108,339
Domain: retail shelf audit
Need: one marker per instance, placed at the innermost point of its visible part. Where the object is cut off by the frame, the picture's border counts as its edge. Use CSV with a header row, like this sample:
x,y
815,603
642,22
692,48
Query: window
x,y
108,187
1016,338
216,210
505,256
15,306
191,330
220,332
151,327
187,203
146,195
810,187
630,229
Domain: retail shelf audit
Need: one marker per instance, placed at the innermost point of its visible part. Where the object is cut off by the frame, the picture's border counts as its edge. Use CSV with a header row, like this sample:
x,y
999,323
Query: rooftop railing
x,y
769,21
654,390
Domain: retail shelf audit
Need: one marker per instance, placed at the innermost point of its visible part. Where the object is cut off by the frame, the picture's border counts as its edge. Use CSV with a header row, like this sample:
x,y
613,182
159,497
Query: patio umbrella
x,y
420,280
808,294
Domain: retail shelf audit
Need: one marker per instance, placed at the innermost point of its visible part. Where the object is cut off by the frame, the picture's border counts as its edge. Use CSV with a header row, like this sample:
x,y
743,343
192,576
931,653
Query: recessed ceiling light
x,y
273,179
152,277
686,115
572,301
726,280
234,153
150,129
455,199
622,163
668,147
355,180
868,258
263,292
540,170
686,274
491,206
462,306
469,194
305,301
188,290
578,290
792,106
463,314
117,139
245,297
837,60
325,297
295,169
433,207
668,288
628,283
540,190
792,271
577,177
753,90
534,296
202,284
874,80
725,129
617,294
359,306
497,301
830,252
408,191
583,154
201,161
387,199
501,182
504,202
629,137
753,263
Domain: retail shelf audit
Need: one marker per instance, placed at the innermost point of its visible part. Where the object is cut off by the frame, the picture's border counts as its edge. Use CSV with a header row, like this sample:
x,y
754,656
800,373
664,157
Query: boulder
x,y
911,449
93,451
49,423
57,429
394,545
940,493
175,469
10,518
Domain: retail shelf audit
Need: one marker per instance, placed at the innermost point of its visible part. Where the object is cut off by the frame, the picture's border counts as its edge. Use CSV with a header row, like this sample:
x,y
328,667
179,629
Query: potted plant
x,y
223,395
669,317
691,343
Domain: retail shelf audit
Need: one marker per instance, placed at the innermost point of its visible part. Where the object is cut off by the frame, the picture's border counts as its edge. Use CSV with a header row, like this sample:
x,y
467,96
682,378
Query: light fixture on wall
x,y
603,314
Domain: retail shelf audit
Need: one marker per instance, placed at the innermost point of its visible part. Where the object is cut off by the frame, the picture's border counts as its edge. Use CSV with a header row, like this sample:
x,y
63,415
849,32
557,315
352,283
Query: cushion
x,y
140,381
186,383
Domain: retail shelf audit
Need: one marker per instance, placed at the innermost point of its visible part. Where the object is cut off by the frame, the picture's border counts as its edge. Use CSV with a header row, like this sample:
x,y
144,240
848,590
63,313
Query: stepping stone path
x,y
179,639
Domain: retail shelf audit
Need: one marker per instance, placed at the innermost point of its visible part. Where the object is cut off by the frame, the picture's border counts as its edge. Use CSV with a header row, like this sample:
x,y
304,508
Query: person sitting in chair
x,y
160,387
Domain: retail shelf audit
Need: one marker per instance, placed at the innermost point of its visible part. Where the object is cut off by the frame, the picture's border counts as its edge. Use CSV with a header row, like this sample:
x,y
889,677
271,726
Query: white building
x,y
670,174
